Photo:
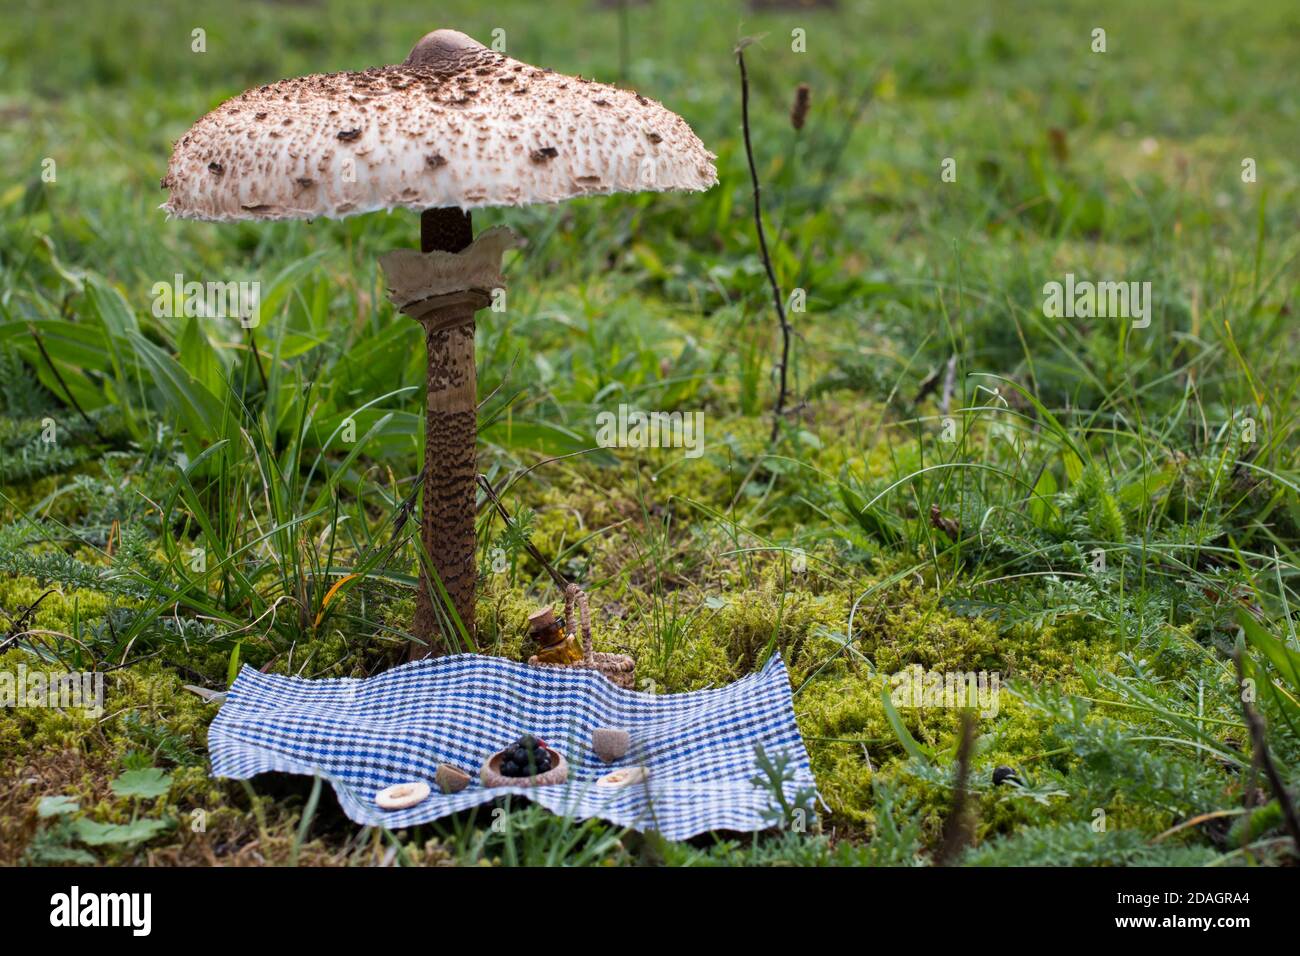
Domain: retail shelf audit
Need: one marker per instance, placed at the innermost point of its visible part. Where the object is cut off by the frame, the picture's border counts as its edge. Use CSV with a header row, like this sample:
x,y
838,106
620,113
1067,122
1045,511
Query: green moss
x,y
61,610
849,736
914,628
844,728
139,702
502,616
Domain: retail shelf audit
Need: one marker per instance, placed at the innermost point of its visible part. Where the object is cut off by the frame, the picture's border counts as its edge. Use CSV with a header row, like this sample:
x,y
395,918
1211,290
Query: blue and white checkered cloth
x,y
365,735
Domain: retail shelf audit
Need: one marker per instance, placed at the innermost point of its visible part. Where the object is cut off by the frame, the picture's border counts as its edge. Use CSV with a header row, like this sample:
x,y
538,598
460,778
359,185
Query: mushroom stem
x,y
450,437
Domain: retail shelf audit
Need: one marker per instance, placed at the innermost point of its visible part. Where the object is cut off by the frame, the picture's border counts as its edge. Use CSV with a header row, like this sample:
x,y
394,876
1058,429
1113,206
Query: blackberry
x,y
1004,775
525,757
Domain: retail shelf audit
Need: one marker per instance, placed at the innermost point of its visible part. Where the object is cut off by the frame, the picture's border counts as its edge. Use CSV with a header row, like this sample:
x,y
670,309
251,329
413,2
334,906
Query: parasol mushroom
x,y
454,127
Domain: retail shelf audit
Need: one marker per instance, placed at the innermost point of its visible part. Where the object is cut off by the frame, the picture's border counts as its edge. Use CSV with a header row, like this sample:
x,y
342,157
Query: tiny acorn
x,y
610,744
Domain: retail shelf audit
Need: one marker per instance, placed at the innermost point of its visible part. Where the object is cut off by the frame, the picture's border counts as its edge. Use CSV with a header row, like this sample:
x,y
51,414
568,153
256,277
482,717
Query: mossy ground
x,y
689,627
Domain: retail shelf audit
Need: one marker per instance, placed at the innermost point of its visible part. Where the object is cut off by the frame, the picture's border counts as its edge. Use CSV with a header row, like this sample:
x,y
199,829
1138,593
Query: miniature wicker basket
x,y
620,669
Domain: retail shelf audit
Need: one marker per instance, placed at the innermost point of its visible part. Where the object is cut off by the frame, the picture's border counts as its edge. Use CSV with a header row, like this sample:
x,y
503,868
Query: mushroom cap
x,y
456,124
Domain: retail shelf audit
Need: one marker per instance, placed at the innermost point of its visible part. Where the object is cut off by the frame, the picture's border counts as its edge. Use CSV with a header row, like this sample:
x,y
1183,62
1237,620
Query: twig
x,y
501,384
22,617
403,513
547,461
949,383
957,828
67,391
1197,821
257,359
400,517
556,576
779,410
1259,745
927,386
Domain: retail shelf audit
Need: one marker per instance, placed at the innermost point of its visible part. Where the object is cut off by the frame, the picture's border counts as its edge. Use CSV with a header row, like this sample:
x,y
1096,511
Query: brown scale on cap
x,y
456,124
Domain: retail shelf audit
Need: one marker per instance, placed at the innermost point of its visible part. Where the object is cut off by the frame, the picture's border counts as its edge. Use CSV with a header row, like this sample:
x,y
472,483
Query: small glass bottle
x,y
554,646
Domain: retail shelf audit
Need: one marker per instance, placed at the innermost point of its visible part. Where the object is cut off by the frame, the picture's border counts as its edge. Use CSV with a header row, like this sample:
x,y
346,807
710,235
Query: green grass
x,y
201,503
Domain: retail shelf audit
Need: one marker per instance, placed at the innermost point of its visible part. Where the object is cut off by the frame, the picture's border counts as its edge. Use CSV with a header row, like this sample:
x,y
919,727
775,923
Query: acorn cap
x,y
451,779
456,124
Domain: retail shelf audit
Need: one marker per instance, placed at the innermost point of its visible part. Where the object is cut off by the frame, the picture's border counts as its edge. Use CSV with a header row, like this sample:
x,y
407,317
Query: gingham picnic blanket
x,y
365,735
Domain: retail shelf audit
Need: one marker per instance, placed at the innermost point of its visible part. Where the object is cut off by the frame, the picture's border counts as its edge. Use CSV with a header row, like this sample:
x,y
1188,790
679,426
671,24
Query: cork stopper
x,y
542,619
